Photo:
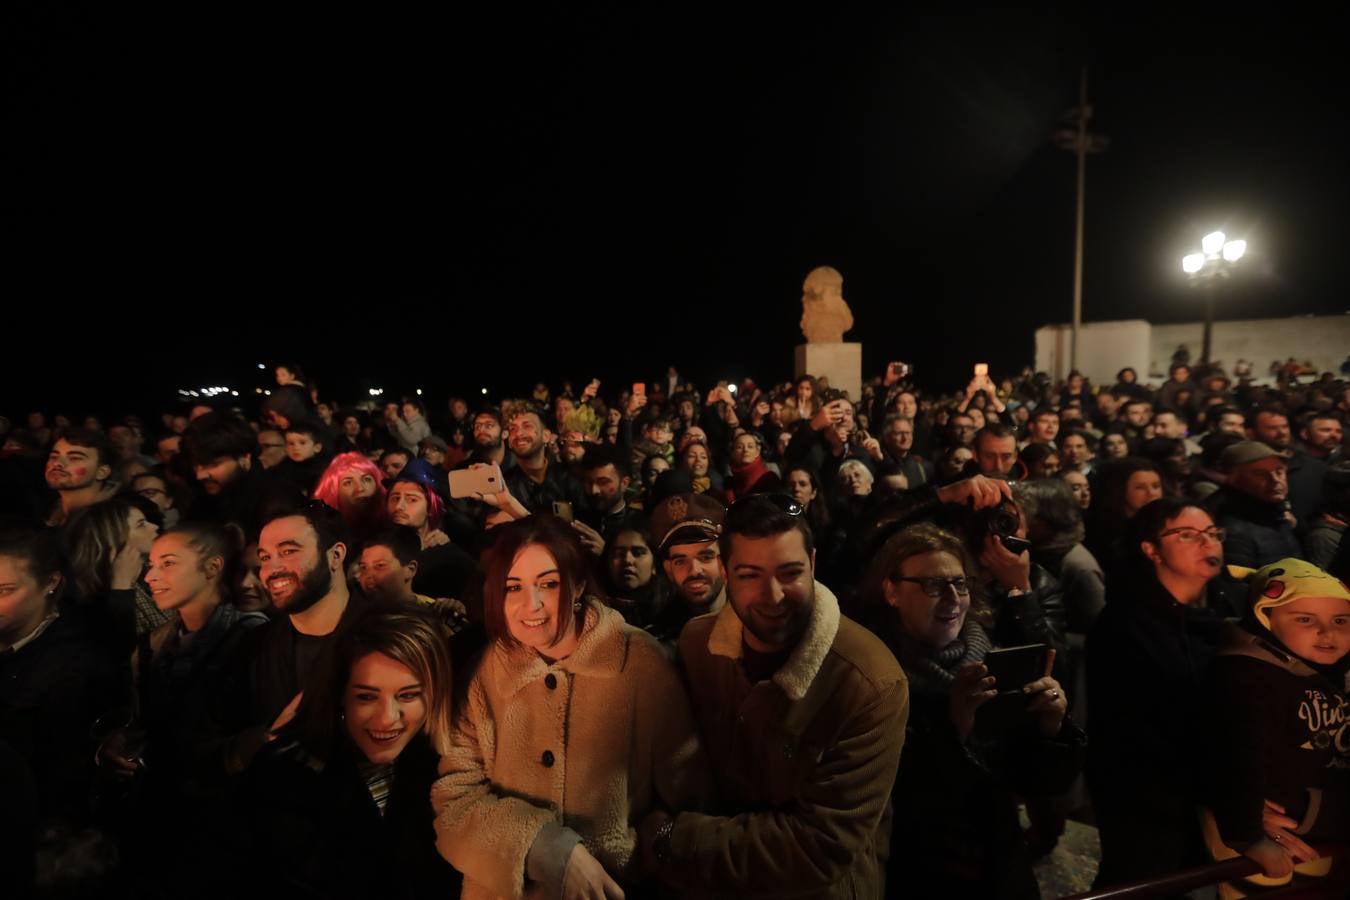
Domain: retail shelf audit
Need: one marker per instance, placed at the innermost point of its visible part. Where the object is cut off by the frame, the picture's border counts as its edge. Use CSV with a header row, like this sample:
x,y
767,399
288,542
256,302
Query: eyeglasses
x,y
934,587
1193,535
270,446
152,492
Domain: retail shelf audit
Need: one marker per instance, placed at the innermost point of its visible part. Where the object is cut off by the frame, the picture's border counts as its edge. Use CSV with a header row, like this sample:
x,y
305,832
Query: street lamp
x,y
1207,268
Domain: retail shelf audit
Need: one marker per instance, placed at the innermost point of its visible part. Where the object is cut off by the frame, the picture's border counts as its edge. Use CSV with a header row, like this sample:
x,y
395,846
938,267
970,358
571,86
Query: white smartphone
x,y
473,483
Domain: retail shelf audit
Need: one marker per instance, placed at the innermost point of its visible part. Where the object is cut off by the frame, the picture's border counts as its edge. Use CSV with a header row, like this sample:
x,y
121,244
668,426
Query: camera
x,y
974,526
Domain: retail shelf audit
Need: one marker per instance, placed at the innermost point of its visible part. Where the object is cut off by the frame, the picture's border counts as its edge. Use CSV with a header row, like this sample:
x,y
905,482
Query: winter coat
x,y
805,761
545,755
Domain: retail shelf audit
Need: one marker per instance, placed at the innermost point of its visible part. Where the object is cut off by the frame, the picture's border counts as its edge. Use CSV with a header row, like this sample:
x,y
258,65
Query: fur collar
x,y
601,652
806,658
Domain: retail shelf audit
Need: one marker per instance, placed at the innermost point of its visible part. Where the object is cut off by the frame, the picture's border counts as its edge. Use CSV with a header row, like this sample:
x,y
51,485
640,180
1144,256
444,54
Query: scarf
x,y
932,672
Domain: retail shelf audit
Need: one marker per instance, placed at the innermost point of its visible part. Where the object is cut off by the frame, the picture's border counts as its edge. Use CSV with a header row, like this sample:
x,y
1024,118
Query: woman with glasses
x,y
955,832
1145,659
157,490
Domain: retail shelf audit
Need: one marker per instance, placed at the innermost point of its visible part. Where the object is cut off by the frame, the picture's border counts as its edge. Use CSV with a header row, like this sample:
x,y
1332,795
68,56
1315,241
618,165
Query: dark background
x,y
490,198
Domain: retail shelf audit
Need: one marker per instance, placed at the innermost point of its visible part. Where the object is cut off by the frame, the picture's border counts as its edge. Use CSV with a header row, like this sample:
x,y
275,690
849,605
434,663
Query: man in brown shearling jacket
x,y
803,712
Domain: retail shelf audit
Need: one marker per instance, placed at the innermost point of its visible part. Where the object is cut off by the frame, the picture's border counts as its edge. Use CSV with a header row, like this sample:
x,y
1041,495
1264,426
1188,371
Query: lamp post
x,y
1077,139
1213,264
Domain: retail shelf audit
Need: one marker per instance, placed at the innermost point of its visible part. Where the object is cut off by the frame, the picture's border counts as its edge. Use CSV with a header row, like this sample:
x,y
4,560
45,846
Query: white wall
x,y
1323,340
1107,347
1104,348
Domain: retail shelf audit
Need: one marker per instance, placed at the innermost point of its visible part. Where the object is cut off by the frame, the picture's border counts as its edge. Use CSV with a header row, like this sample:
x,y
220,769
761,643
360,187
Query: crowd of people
x,y
670,640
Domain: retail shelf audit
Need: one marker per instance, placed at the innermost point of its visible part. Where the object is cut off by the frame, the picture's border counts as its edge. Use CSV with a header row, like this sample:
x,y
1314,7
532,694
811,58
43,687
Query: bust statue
x,y
825,315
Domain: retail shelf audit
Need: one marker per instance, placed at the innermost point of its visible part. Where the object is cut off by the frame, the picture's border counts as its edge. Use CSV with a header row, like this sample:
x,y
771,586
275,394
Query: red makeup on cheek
x,y
79,473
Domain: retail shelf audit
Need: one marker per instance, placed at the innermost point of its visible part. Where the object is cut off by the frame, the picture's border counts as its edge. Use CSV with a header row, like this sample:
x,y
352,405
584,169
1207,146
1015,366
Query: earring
x,y
576,606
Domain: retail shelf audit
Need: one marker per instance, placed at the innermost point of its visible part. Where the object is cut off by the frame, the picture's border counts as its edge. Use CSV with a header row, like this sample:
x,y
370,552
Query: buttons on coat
x,y
547,759
550,681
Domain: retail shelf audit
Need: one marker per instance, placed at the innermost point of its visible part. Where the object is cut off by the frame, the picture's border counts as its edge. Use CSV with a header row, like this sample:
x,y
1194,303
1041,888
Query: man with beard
x,y
686,527
78,469
303,557
604,482
1305,472
805,712
230,488
486,445
443,568
535,481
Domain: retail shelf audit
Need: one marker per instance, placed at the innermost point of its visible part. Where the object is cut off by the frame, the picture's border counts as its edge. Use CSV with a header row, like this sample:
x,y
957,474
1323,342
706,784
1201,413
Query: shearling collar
x,y
601,652
806,658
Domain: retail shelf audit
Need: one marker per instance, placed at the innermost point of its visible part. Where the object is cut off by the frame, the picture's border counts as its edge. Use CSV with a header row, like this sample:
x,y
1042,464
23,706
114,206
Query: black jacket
x,y
1258,533
270,666
955,832
313,828
1146,657
51,692
539,497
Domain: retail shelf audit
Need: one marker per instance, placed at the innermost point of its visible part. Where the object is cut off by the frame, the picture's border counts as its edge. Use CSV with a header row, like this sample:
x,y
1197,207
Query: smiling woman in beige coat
x,y
574,727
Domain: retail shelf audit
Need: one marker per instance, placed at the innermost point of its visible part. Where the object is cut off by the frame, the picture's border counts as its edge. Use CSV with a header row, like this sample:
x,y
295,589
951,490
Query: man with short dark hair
x,y
303,559
604,484
1075,452
534,480
961,430
271,448
805,712
392,462
1043,427
827,443
1270,425
167,447
486,444
1322,436
996,450
1228,420
79,467
219,447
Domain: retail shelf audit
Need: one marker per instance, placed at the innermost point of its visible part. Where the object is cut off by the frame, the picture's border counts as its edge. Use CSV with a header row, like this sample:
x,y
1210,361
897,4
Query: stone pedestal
x,y
841,363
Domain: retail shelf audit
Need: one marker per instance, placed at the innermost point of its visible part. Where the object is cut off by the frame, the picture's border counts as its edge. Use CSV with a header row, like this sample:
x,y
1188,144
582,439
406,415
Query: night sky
x,y
495,197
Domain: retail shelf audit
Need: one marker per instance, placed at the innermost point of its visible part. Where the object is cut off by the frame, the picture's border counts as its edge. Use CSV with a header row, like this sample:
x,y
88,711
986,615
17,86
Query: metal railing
x,y
1228,870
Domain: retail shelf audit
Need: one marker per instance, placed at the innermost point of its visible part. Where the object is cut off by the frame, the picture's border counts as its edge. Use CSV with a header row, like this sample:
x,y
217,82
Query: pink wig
x,y
327,491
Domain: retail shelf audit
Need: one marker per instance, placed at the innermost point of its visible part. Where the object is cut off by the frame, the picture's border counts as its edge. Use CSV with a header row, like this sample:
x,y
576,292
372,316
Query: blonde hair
x,y
95,534
416,639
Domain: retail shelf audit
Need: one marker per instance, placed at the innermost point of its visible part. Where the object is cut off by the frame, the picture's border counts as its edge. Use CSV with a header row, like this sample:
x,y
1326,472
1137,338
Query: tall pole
x,y
1209,321
1082,142
1081,149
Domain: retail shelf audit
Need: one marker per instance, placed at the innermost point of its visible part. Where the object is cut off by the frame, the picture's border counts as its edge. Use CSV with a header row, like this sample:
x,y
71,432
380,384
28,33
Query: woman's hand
x,y
502,501
972,687
586,879
1046,700
127,565
1280,829
1270,856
